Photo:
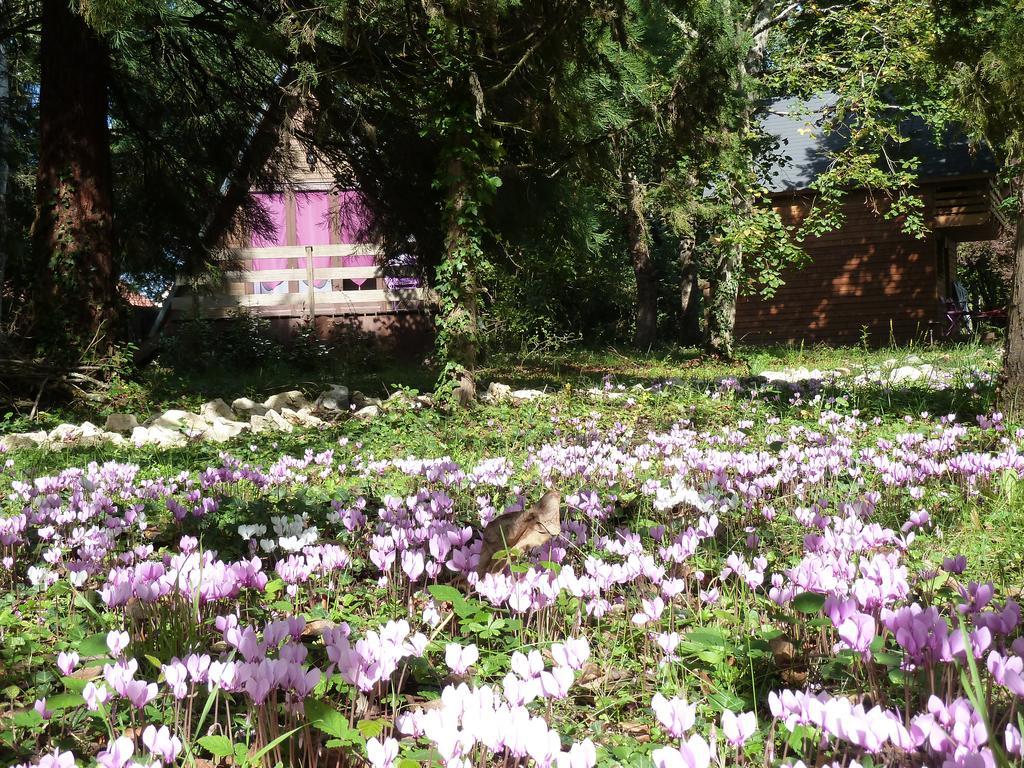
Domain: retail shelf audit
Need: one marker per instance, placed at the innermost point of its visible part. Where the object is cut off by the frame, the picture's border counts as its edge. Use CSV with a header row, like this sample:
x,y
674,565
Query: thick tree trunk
x,y
76,299
689,294
460,293
646,330
5,95
1010,397
722,303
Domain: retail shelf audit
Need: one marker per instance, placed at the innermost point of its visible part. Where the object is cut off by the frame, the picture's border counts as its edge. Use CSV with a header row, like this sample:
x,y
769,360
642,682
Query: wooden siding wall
x,y
869,273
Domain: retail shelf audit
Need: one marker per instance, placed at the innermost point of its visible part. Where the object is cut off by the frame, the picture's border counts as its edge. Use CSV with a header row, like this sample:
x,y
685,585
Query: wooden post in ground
x,y
311,295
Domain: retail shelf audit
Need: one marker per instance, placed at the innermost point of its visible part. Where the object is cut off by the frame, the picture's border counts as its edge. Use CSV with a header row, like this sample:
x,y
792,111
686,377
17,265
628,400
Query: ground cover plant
x,y
741,572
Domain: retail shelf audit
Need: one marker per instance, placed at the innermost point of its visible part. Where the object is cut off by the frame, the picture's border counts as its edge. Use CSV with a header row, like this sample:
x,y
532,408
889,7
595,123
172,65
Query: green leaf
x,y
707,638
329,720
64,701
27,719
73,684
218,746
445,593
809,602
93,645
370,728
888,659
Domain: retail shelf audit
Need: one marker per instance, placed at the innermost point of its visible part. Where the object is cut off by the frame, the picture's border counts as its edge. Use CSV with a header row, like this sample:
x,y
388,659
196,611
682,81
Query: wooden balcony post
x,y
309,284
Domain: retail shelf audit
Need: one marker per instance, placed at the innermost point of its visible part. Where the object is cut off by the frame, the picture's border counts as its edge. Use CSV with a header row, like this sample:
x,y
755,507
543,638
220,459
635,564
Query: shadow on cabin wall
x,y
405,336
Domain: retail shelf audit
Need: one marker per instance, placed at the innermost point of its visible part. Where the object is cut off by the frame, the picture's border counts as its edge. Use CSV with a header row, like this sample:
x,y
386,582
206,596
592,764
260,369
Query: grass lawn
x,y
744,572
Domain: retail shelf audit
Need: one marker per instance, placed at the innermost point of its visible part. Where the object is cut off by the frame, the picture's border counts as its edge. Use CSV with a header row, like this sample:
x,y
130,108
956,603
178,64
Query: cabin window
x,y
313,227
273,205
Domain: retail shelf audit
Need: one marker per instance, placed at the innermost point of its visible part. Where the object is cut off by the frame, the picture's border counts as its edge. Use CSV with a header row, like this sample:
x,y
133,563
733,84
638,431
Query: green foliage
x,y
238,341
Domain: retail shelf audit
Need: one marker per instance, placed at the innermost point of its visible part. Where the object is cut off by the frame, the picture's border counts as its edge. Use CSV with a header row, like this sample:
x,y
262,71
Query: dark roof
x,y
804,151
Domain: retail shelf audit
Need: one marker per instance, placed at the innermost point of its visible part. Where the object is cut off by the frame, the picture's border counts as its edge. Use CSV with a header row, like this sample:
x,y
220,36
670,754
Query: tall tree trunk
x,y
1010,396
689,293
459,290
5,98
76,299
722,303
646,330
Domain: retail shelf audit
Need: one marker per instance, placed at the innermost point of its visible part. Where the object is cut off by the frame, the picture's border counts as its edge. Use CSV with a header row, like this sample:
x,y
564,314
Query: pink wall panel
x,y
274,206
313,226
352,217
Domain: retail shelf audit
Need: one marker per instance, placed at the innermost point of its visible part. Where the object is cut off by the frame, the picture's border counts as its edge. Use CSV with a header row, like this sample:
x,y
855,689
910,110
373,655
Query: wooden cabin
x,y
315,264
869,279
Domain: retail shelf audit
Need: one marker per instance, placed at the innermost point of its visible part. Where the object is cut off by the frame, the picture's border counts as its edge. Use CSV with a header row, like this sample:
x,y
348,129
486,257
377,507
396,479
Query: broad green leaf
x,y
329,720
808,602
445,593
218,746
93,645
370,728
64,701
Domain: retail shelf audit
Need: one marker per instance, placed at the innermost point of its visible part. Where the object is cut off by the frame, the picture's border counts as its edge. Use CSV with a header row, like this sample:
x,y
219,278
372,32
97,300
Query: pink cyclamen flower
x,y
573,653
161,743
117,642
382,754
40,707
674,714
95,695
955,565
176,676
117,754
140,693
693,753
857,632
738,729
650,610
556,683
459,659
66,662
1012,740
57,759
582,754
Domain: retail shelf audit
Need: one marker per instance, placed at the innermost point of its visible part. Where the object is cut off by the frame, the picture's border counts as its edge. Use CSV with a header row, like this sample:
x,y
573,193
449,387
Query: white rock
x,y
260,423
280,423
114,438
177,419
497,392
525,395
20,440
64,433
293,399
121,422
369,412
604,394
333,400
216,409
301,417
243,406
164,437
224,429
90,434
905,373
360,401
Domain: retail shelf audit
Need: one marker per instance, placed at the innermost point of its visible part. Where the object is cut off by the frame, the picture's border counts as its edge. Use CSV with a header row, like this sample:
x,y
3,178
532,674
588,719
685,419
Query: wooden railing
x,y
967,203
239,288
